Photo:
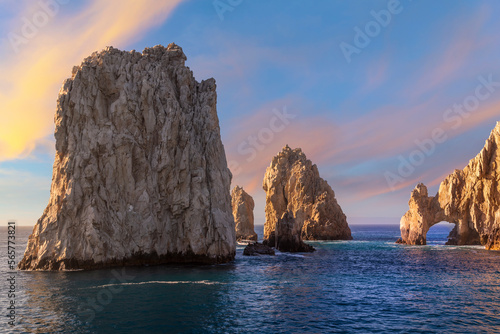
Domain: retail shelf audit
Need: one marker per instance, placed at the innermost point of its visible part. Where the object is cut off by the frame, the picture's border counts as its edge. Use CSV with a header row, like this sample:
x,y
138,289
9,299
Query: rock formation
x,y
258,249
293,185
243,206
287,235
140,173
468,198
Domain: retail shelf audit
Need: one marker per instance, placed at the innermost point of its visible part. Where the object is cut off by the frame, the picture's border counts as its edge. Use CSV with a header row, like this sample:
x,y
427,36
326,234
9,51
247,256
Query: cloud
x,y
351,155
32,76
459,52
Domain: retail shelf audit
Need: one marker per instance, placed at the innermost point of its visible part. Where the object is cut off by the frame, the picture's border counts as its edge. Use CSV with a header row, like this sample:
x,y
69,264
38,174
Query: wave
x,y
289,254
443,247
205,282
337,242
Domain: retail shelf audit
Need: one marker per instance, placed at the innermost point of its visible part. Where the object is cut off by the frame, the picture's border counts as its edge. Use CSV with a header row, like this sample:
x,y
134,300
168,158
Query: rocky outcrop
x,y
287,237
140,173
258,249
293,185
468,198
243,206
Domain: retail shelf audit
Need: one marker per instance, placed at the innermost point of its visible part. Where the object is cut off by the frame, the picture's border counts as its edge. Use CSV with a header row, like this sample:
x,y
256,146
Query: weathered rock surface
x,y
287,237
243,206
258,249
140,173
469,198
292,184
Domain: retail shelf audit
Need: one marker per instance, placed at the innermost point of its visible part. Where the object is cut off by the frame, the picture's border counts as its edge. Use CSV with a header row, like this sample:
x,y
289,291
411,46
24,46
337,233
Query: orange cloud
x,y
31,78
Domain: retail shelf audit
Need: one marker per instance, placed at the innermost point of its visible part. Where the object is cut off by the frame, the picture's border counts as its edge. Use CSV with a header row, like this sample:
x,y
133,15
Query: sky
x,y
381,95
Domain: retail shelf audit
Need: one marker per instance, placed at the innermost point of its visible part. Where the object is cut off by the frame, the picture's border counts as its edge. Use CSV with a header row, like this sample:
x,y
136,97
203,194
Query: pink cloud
x,y
462,40
256,139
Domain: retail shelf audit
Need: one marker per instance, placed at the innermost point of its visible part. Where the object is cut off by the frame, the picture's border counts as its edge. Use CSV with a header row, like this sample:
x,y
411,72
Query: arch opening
x,y
452,233
442,233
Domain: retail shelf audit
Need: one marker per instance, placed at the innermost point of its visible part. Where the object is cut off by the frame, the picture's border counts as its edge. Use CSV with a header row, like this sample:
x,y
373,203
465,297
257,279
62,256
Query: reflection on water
x,y
367,285
45,303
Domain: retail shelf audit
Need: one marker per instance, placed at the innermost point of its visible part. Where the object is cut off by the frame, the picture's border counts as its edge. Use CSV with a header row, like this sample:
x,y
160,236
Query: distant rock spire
x,y
243,206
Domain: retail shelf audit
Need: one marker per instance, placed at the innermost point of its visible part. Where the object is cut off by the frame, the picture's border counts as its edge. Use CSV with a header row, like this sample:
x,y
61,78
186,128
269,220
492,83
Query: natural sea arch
x,y
468,198
459,234
426,212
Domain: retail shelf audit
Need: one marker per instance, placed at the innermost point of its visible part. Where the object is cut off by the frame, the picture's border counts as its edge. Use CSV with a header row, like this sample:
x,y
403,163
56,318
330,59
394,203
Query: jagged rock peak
x,y
293,185
291,155
243,206
468,198
140,174
170,55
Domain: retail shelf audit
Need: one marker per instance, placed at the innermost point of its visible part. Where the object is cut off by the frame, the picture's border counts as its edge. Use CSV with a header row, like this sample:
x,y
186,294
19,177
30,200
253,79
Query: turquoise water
x,y
368,285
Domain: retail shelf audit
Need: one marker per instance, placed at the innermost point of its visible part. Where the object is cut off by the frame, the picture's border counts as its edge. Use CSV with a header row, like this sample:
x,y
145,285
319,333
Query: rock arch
x,y
468,198
426,212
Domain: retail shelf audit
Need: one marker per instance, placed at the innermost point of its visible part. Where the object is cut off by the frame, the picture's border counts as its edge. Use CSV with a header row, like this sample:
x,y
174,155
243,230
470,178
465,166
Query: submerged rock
x,y
140,173
243,205
293,185
469,198
258,249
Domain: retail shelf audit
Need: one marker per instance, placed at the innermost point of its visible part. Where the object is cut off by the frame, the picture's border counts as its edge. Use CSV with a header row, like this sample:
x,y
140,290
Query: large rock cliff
x,y
243,206
293,186
140,173
468,198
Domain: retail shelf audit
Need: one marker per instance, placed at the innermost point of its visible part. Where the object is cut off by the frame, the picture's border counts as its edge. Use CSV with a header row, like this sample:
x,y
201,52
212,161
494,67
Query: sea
x,y
367,285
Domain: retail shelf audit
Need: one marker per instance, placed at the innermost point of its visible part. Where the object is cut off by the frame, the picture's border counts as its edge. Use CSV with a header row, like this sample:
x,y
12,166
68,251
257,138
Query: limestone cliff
x,y
469,198
293,185
243,206
140,173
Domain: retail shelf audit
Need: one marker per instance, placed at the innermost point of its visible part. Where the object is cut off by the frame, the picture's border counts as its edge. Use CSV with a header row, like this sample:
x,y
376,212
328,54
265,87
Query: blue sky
x,y
356,120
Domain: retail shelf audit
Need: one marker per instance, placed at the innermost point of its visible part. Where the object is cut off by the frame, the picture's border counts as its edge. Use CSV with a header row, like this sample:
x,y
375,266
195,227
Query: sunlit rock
x,y
293,185
243,205
140,173
469,198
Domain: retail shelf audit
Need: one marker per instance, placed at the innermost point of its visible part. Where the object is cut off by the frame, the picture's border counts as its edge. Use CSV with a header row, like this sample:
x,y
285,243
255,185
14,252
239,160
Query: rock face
x,y
293,185
287,236
140,173
258,249
243,206
468,198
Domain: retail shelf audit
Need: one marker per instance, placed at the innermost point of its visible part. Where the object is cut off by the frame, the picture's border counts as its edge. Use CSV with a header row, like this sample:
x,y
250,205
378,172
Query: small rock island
x,y
243,205
300,205
468,198
140,173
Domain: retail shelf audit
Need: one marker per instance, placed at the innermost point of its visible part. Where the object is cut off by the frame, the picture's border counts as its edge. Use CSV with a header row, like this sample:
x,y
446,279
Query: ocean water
x,y
368,285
